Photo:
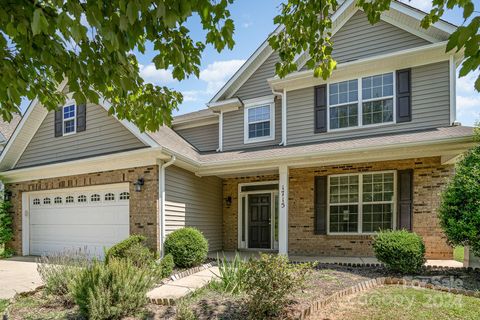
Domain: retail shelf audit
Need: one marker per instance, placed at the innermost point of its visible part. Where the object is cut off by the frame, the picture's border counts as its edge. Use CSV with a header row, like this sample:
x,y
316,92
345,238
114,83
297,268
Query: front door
x,y
259,213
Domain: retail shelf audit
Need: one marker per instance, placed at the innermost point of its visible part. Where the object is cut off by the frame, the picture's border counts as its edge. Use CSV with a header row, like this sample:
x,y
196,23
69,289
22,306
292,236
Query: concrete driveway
x,y
18,274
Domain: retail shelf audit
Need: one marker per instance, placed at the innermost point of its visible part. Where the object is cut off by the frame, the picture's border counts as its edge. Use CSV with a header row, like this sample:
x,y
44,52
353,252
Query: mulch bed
x,y
323,282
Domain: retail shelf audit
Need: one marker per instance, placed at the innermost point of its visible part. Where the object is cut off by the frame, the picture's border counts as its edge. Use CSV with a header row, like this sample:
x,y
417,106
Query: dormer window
x,y
259,121
69,119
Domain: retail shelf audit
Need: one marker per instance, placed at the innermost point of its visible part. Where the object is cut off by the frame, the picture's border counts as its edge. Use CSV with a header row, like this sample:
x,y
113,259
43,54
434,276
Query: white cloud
x,y
468,99
465,85
218,72
151,75
424,5
193,95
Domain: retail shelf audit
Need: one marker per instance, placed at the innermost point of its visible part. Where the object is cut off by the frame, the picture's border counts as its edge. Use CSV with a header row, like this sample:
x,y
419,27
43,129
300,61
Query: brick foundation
x,y
429,179
143,205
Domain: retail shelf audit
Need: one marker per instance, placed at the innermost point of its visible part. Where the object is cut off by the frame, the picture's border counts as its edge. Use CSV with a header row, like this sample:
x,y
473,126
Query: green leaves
x,y
39,22
90,43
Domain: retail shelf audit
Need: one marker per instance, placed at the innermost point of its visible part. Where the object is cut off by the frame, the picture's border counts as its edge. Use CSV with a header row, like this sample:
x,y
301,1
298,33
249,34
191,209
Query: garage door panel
x,y
72,216
88,219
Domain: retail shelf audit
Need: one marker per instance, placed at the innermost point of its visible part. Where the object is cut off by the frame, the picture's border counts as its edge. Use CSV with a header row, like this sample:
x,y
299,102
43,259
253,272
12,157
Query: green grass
x,y
458,254
395,302
3,305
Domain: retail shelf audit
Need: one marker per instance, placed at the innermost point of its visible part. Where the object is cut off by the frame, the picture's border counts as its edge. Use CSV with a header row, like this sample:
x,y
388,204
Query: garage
x,y
88,219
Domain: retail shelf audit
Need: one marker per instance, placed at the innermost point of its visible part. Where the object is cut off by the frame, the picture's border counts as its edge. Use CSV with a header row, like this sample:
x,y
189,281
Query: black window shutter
x,y
404,95
58,123
321,108
81,117
405,199
321,205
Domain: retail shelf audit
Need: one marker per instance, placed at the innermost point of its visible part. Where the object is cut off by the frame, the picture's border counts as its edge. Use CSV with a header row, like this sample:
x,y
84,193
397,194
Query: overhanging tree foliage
x,y
90,42
460,208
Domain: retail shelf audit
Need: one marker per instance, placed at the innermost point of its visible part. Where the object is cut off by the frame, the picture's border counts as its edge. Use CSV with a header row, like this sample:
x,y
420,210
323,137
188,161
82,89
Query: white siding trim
x,y
453,89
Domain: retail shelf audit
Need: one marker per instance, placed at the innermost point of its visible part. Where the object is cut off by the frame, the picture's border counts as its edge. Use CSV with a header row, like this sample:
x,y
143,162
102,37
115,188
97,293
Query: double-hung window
x,y
69,119
259,122
377,99
361,203
361,102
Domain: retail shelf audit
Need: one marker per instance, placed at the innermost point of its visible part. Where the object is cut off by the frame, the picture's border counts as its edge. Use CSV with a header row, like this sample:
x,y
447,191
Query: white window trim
x,y
360,101
359,203
74,118
254,104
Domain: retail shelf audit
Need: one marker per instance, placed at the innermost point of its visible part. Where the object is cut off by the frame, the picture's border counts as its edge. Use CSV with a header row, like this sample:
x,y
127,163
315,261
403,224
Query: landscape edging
x,y
375,283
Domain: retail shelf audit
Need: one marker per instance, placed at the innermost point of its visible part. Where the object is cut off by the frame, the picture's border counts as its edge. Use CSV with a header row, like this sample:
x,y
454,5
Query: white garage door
x,y
91,219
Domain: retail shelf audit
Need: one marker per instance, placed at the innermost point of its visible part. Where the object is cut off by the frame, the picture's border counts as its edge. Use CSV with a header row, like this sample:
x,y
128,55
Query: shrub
x,y
188,247
6,220
121,249
400,251
59,270
139,255
460,207
111,290
269,281
166,266
232,275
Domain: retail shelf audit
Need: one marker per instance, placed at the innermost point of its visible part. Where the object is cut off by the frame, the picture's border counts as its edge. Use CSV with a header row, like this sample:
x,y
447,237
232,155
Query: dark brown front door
x,y
259,213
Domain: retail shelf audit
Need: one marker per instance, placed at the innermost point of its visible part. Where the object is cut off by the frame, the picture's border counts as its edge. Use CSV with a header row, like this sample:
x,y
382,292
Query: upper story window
x,y
69,119
361,102
259,121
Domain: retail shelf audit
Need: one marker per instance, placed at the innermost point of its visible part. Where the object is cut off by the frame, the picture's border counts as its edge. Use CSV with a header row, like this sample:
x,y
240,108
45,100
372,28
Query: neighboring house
x,y
296,165
7,129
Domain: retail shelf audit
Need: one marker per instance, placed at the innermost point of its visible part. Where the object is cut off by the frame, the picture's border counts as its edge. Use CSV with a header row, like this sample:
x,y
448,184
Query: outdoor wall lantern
x,y
138,184
228,201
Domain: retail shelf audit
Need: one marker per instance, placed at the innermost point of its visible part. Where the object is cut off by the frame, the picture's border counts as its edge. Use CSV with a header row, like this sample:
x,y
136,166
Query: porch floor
x,y
229,255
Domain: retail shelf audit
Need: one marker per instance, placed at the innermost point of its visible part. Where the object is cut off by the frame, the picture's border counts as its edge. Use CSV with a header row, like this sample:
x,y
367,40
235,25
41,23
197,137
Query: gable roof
x,y
400,14
30,123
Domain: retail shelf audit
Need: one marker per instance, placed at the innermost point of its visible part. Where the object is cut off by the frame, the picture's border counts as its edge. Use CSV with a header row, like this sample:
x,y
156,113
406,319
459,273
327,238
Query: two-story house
x,y
297,165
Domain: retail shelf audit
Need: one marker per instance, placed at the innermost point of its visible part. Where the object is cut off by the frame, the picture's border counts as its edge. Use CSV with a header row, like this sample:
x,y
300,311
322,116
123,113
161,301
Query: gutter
x,y
283,96
161,193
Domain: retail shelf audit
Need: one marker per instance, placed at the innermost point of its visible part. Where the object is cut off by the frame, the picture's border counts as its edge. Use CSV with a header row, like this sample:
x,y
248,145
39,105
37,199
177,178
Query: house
x,y
296,165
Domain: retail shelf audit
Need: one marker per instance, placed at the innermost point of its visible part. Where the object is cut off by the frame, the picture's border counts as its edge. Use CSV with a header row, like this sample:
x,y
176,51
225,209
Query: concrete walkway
x,y
171,291
18,274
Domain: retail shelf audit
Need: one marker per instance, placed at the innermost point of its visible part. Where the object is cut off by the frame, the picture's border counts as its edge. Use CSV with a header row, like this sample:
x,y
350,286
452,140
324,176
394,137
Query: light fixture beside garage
x,y
138,184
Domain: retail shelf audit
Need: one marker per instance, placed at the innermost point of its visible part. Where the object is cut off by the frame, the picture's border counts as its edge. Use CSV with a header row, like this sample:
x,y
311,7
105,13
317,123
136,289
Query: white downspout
x,y
220,132
161,193
283,96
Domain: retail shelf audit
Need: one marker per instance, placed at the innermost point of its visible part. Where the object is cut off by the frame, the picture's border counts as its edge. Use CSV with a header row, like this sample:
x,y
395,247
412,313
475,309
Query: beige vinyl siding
x,y
430,108
233,129
358,39
103,135
257,85
192,201
204,138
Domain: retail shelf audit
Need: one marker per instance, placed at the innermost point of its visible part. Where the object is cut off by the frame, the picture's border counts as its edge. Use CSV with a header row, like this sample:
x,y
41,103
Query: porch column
x,y
283,212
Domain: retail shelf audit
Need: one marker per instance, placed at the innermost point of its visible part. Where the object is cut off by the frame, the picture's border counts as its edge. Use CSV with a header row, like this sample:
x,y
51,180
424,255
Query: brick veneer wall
x,y
429,179
143,205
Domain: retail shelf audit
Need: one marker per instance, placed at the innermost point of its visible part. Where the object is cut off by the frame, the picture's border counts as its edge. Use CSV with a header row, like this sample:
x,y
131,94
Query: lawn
x,y
395,302
458,254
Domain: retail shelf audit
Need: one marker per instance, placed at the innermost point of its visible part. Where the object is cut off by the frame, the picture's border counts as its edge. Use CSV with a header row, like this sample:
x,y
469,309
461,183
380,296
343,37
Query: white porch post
x,y
283,212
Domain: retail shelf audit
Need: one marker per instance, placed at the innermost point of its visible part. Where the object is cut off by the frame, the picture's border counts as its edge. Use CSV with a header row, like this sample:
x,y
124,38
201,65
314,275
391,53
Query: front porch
x,y
330,212
245,255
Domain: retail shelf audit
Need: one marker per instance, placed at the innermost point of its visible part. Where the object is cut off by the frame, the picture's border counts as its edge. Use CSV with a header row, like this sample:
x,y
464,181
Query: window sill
x,y
255,140
365,127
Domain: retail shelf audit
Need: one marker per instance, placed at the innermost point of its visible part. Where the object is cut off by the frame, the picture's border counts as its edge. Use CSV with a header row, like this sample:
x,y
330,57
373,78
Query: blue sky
x,y
253,22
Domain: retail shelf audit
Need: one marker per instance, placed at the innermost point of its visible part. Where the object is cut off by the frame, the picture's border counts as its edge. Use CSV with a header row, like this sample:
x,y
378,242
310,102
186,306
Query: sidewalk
x,y
168,293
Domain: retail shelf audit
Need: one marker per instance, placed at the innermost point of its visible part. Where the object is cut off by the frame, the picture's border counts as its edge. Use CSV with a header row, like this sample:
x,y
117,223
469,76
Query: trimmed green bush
x,y
6,221
121,249
111,290
269,282
166,266
139,255
401,251
188,247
